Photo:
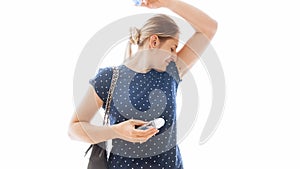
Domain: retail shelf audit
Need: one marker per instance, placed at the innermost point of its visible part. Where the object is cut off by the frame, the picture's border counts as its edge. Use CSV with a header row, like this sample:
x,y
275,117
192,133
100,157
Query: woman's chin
x,y
162,68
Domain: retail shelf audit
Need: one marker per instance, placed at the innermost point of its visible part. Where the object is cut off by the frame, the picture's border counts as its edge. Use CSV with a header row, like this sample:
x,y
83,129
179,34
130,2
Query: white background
x,y
257,43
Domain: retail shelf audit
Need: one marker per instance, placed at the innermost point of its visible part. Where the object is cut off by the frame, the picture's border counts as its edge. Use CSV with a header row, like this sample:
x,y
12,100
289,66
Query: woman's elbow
x,y
212,30
75,132
71,132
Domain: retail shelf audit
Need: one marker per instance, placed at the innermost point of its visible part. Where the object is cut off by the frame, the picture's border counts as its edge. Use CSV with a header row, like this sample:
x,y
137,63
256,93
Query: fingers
x,y
143,135
148,3
134,122
128,132
145,4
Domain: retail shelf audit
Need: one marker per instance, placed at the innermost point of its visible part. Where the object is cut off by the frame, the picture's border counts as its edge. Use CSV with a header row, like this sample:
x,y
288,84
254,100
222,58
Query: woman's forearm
x,y
86,132
199,20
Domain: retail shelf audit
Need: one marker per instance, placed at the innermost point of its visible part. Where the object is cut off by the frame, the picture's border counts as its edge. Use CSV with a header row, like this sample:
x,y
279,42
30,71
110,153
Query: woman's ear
x,y
153,41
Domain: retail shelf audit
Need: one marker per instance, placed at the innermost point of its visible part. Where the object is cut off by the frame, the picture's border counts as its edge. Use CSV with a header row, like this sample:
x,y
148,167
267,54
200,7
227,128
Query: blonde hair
x,y
161,25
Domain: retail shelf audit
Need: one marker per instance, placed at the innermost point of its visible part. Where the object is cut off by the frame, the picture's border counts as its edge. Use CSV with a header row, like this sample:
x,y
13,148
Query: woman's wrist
x,y
169,4
113,130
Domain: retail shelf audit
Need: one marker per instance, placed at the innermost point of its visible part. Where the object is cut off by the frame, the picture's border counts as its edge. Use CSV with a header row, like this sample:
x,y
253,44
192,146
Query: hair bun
x,y
134,36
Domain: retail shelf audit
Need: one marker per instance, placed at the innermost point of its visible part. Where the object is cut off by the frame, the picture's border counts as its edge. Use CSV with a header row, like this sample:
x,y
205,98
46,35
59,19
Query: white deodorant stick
x,y
156,123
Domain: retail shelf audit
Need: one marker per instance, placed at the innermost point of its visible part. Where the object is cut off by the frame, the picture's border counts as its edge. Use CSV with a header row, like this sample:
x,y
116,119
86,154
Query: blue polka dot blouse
x,y
143,96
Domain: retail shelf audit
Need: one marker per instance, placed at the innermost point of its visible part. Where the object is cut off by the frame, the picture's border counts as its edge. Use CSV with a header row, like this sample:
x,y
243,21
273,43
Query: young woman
x,y
146,89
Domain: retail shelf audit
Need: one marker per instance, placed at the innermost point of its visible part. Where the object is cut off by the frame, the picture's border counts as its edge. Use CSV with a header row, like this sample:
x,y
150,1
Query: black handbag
x,y
98,158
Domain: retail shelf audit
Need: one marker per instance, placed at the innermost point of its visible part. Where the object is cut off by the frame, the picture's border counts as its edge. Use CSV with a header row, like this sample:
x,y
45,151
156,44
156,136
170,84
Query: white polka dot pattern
x,y
143,96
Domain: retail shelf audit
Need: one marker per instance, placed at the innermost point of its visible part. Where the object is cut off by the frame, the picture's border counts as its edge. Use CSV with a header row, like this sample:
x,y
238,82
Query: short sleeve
x,y
101,83
173,72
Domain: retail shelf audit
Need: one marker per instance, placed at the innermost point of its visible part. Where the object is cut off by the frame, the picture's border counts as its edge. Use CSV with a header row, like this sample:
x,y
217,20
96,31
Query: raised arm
x,y
199,20
205,29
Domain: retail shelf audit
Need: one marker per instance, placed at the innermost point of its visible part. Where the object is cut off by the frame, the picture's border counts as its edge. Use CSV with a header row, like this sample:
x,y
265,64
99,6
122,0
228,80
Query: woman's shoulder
x,y
107,71
103,74
172,70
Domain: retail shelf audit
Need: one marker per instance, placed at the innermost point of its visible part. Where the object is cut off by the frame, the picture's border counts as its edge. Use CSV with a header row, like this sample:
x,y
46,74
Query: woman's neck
x,y
145,60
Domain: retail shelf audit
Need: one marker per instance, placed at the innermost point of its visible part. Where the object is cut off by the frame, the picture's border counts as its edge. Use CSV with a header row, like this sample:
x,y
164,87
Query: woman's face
x,y
169,46
164,54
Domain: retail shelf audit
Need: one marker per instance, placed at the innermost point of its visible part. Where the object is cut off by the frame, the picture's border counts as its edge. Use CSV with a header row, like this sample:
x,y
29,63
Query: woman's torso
x,y
145,96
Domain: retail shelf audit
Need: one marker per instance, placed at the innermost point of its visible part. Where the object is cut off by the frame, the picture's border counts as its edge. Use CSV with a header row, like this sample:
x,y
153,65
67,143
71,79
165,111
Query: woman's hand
x,y
152,4
126,131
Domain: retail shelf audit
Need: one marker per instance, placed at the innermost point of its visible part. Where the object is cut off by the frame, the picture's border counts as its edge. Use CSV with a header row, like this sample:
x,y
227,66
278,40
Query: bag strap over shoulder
x,y
114,79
